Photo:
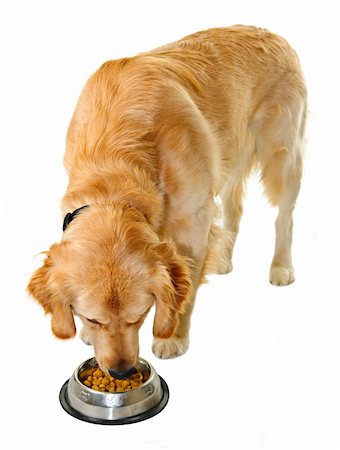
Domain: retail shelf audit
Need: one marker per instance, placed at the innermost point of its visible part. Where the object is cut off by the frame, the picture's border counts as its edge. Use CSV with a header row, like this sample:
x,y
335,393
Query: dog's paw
x,y
281,276
170,348
85,337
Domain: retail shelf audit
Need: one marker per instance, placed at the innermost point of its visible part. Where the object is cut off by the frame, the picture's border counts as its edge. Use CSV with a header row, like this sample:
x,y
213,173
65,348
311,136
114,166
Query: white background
x,y
262,370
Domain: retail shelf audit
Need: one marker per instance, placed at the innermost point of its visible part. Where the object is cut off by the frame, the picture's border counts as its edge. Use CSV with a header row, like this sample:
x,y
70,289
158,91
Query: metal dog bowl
x,y
115,408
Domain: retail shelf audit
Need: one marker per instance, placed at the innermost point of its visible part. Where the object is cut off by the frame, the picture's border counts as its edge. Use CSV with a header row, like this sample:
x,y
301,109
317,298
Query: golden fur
x,y
153,140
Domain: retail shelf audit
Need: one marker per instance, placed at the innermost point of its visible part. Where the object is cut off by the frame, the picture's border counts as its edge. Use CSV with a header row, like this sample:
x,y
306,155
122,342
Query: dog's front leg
x,y
178,344
195,247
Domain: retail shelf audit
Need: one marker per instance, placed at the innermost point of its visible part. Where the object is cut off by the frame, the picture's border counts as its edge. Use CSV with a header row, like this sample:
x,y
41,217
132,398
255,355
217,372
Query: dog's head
x,y
109,270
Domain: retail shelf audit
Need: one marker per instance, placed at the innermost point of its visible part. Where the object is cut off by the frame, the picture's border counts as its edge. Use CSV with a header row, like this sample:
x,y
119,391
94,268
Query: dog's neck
x,y
129,183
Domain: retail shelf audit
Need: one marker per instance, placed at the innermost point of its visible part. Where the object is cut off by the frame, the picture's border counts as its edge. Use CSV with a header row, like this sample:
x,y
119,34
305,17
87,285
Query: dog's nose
x,y
123,374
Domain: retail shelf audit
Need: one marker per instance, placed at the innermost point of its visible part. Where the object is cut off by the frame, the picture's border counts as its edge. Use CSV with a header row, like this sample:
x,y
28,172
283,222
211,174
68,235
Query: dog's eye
x,y
133,323
93,321
136,322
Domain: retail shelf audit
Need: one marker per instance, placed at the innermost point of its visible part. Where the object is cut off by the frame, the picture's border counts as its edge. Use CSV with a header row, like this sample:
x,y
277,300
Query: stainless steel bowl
x,y
115,408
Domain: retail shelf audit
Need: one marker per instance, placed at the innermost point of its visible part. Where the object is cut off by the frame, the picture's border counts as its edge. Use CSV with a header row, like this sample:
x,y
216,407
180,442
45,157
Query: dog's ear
x,y
171,286
45,287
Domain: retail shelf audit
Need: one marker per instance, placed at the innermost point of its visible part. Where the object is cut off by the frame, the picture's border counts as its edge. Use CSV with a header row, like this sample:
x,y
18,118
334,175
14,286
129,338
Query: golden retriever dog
x,y
154,140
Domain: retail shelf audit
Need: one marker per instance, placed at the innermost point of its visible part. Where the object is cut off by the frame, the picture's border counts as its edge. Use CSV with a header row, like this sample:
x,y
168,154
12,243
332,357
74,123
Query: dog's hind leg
x,y
282,271
233,208
236,170
279,150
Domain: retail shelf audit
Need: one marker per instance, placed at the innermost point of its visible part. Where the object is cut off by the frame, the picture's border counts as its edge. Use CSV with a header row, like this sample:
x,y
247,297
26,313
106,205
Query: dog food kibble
x,y
96,379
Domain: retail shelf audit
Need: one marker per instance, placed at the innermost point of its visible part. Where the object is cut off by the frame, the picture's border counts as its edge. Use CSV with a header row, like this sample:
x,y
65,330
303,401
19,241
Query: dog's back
x,y
232,66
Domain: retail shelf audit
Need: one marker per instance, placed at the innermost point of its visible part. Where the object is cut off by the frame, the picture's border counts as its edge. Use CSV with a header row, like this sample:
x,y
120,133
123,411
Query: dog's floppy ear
x,y
45,288
171,286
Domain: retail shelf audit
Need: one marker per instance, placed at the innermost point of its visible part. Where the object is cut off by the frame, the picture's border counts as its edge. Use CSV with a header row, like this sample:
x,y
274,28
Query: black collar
x,y
70,216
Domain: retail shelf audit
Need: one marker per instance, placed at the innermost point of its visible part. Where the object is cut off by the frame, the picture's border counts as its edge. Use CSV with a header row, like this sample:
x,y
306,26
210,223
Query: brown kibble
x,y
86,373
99,381
138,376
97,373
